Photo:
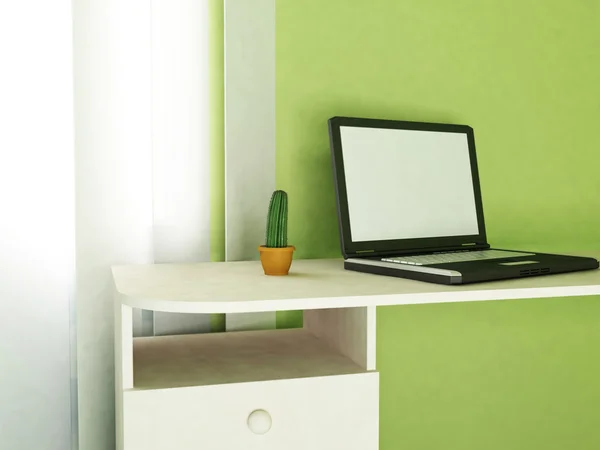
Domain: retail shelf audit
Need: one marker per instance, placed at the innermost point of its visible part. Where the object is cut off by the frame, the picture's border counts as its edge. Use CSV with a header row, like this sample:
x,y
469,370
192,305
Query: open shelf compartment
x,y
235,357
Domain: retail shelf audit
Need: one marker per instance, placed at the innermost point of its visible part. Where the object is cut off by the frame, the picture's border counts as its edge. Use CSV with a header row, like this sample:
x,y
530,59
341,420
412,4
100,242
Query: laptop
x,y
409,205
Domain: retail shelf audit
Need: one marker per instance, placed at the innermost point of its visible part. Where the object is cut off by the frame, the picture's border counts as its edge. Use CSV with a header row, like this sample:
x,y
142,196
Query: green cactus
x,y
277,220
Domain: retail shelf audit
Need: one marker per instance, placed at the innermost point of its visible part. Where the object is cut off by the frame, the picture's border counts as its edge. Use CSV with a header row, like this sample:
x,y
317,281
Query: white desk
x,y
317,387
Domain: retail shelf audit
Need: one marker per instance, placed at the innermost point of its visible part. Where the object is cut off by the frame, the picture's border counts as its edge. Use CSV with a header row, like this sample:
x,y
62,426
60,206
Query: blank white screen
x,y
406,184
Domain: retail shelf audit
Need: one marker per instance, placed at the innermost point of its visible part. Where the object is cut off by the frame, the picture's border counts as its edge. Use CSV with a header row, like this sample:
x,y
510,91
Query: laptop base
x,y
475,271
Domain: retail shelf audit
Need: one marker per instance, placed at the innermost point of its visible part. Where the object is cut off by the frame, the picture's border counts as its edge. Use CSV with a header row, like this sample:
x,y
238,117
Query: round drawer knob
x,y
259,421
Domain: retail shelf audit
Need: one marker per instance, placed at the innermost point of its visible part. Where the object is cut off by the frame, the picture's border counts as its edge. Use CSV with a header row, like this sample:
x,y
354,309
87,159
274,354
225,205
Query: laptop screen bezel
x,y
351,248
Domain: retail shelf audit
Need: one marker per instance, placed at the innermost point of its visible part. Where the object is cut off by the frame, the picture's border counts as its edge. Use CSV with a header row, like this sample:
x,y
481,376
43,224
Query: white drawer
x,y
321,413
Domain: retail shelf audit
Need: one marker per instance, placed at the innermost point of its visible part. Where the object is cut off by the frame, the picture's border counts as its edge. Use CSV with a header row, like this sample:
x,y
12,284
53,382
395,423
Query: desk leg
x,y
123,362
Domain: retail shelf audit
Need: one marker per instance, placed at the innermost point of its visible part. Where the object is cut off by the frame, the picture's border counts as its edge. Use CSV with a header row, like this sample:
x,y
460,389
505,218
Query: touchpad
x,y
517,263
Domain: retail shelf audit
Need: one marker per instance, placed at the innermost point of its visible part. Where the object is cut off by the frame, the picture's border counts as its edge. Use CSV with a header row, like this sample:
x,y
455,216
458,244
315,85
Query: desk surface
x,y
237,287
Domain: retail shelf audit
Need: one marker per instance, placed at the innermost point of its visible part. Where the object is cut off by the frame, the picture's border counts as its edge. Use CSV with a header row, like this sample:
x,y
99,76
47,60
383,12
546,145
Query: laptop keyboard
x,y
453,257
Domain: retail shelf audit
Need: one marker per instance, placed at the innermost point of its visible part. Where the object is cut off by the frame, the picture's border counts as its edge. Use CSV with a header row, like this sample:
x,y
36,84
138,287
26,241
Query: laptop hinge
x,y
373,253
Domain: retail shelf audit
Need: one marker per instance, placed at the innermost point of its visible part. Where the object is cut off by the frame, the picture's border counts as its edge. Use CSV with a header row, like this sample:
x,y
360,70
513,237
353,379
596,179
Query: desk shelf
x,y
235,357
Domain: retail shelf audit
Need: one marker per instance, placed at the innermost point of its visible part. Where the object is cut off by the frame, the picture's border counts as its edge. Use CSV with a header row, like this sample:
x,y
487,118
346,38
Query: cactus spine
x,y
277,220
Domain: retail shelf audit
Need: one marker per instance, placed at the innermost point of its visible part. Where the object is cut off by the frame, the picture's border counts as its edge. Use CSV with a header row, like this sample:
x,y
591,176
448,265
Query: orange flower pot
x,y
276,261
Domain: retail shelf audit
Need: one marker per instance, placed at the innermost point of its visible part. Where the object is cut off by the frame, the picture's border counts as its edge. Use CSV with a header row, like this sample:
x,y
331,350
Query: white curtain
x,y
132,188
180,143
36,225
142,171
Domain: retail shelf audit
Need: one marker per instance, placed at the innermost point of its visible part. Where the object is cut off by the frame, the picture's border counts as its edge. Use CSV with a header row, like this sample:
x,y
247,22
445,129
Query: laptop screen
x,y
407,184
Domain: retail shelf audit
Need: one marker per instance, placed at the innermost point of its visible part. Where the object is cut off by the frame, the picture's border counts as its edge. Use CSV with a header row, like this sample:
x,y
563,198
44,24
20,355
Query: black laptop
x,y
409,205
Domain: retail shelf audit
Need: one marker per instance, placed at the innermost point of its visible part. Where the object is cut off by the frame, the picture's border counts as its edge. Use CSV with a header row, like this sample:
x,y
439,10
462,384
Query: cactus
x,y
277,220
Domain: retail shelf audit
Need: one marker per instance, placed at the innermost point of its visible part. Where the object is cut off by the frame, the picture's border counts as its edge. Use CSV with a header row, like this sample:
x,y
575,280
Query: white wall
x,y
249,135
36,224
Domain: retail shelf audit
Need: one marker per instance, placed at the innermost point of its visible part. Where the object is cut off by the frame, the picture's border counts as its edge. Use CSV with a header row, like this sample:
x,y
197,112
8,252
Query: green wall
x,y
524,74
217,129
217,141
